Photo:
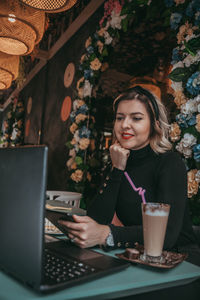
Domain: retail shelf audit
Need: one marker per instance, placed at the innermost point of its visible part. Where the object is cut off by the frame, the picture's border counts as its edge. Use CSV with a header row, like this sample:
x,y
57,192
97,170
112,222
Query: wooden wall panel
x,y
48,92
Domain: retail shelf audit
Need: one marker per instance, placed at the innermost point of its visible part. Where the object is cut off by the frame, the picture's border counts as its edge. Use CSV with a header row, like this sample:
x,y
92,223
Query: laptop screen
x,y
23,173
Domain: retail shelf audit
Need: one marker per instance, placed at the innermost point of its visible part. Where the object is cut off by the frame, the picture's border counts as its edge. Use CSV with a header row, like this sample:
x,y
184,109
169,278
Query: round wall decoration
x,y
27,127
66,108
69,75
29,105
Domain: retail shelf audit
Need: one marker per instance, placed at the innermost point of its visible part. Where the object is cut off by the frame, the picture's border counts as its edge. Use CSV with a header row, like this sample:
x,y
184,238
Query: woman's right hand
x,y
119,156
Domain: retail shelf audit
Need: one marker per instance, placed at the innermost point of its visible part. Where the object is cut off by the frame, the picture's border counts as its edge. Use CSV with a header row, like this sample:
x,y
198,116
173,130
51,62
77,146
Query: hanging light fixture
x,y
9,67
50,6
21,27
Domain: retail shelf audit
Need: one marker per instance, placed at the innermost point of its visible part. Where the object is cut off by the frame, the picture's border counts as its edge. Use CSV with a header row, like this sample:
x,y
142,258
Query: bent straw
x,y
140,190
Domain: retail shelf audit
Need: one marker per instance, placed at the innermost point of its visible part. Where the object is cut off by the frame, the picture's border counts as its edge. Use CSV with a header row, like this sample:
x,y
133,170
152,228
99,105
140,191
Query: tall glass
x,y
155,218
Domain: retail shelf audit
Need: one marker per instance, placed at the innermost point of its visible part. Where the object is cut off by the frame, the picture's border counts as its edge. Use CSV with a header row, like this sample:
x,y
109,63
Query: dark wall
x,y
35,90
47,91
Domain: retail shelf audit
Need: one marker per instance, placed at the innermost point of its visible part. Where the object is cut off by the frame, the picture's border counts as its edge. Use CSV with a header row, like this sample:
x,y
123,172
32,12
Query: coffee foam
x,y
157,213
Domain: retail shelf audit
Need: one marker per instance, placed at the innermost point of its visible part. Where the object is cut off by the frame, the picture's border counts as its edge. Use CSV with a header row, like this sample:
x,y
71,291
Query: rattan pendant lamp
x,y
21,27
9,67
50,6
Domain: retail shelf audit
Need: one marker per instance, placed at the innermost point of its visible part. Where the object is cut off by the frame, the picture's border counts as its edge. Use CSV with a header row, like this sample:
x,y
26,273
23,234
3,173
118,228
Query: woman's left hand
x,y
85,232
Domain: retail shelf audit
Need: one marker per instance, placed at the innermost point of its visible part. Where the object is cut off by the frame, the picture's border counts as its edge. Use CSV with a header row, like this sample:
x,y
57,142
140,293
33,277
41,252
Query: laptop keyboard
x,y
58,270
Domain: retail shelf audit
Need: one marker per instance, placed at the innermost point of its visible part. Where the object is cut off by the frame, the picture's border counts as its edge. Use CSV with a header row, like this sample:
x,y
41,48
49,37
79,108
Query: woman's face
x,y
132,125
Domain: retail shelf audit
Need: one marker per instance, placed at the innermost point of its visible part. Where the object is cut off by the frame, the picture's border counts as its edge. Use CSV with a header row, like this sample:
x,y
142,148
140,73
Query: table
x,y
134,280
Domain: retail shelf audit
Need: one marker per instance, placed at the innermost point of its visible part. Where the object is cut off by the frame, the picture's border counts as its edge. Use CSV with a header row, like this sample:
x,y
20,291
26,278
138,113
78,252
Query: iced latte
x,y
155,217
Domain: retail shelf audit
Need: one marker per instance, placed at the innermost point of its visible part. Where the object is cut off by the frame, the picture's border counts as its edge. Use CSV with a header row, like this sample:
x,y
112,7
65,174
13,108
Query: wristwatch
x,y
110,240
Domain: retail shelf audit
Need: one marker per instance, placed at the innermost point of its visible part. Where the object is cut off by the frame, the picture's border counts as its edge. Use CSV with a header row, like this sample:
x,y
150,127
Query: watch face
x,y
69,75
110,240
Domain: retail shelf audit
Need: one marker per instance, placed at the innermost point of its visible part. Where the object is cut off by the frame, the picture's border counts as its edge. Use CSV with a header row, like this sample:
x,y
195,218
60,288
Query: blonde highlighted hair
x,y
159,135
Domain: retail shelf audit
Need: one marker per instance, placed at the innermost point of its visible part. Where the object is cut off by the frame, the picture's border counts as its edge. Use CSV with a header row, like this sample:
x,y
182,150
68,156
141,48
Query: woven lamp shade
x,y
9,67
21,27
50,6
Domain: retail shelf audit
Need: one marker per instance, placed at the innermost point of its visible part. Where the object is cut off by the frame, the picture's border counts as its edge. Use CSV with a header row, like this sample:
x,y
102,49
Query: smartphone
x,y
54,216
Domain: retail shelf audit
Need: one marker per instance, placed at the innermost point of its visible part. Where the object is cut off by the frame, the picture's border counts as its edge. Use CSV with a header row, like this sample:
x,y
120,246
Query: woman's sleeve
x,y
103,206
172,189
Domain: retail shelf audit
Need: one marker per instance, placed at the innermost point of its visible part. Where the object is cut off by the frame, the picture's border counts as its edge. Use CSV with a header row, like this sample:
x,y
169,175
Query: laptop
x,y
45,267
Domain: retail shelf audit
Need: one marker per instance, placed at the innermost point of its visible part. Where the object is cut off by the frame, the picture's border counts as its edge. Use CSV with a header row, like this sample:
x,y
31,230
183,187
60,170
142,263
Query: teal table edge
x,y
134,280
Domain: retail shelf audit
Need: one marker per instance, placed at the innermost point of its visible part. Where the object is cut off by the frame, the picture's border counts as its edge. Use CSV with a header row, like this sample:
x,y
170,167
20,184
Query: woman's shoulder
x,y
171,159
170,155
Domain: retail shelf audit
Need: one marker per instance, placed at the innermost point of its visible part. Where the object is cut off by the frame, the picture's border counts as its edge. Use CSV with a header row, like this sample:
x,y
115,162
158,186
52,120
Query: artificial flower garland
x,y
185,76
14,125
92,63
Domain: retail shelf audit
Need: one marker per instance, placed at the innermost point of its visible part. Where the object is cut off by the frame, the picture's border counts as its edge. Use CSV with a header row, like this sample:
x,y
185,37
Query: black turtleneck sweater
x,y
164,178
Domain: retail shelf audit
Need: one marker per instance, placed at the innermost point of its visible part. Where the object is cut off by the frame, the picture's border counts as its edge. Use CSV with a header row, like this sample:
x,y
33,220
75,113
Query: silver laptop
x,y
24,254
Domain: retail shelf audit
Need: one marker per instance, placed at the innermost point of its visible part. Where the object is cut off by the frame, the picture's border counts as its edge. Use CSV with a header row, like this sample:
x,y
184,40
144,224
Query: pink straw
x,y
140,190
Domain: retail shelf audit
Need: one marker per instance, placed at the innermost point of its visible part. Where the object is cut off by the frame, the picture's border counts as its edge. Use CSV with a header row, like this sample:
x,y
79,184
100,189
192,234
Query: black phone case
x,y
55,216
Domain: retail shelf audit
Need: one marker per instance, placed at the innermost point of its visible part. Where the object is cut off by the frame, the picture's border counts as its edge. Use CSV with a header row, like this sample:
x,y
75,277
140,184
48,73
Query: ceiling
x,y
145,47
56,25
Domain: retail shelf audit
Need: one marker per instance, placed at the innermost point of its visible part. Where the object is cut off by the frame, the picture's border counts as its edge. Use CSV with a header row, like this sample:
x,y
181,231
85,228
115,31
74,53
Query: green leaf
x,y
125,10
104,52
192,46
124,24
142,2
78,160
178,74
92,56
69,145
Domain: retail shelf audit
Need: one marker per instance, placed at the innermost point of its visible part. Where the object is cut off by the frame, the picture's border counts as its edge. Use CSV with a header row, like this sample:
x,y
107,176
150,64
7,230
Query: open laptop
x,y
24,254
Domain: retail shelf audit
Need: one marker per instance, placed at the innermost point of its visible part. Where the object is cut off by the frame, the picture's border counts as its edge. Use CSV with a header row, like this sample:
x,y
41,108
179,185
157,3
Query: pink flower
x,y
109,6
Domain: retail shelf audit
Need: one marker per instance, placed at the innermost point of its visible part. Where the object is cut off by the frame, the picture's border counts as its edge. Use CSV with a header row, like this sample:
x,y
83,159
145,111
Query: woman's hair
x,y
159,133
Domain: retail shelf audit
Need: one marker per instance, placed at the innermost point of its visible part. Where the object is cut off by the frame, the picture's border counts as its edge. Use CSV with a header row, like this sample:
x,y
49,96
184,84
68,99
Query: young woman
x,y
142,149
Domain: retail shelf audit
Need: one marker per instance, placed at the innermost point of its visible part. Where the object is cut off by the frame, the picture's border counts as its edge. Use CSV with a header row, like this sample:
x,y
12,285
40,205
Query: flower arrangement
x,y
92,63
14,125
184,18
185,77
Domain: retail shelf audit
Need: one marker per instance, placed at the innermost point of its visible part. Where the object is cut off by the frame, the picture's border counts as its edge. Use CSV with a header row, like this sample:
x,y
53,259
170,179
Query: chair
x,y
71,198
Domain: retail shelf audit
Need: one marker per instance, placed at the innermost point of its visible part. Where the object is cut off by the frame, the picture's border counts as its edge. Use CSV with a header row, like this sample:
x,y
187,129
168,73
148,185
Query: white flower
x,y
187,152
197,176
184,146
196,81
189,107
108,38
87,89
197,101
72,153
76,148
76,136
190,59
188,140
192,36
179,64
116,19
197,15
14,134
177,86
77,103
